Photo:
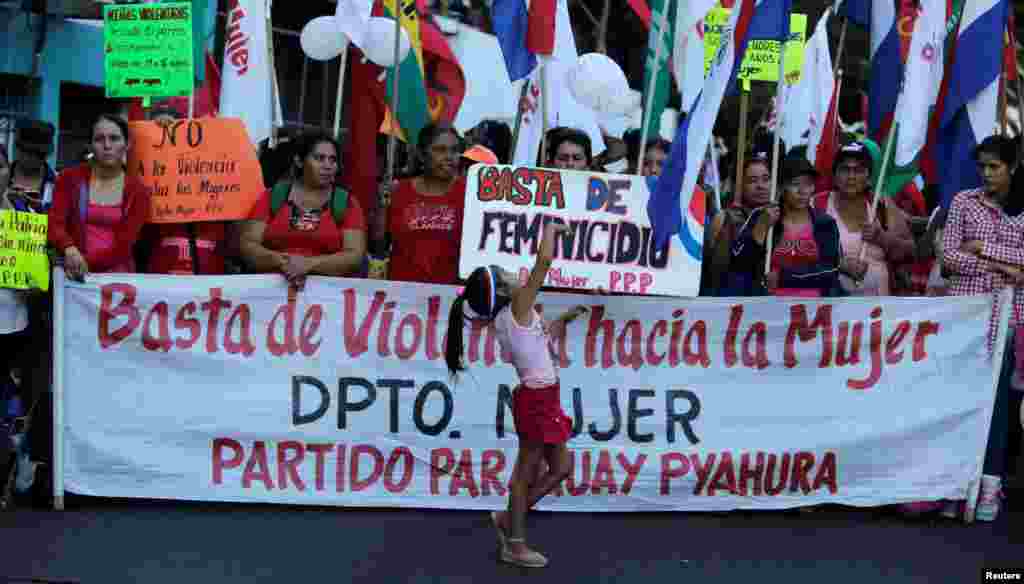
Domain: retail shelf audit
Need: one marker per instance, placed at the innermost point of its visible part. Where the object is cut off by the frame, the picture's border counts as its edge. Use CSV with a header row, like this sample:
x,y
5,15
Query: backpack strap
x,y
339,204
278,195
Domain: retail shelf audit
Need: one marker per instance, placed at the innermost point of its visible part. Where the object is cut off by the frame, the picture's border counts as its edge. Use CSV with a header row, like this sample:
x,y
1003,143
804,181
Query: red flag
x,y
1010,50
829,144
365,114
446,85
540,27
642,10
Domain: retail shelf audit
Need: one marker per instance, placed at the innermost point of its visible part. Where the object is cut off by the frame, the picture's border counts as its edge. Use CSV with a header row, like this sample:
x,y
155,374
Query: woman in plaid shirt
x,y
983,251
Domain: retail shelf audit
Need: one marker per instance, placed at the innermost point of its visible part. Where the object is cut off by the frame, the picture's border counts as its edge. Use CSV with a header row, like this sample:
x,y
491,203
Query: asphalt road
x,y
113,541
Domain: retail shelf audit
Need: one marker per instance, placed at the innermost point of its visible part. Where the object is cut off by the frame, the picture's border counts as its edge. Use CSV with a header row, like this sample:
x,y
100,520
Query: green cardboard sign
x,y
24,262
761,61
147,50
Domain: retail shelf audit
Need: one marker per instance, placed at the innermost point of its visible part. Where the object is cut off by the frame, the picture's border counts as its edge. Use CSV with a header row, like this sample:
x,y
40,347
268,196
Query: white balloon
x,y
598,82
321,40
379,45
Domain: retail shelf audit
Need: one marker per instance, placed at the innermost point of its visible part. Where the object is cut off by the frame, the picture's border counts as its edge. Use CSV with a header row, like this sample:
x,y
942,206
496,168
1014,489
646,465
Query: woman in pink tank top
x,y
494,296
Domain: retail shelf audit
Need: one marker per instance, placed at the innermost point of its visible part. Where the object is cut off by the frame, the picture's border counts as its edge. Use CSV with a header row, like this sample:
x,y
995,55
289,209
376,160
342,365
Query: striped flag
x,y
969,112
674,190
413,106
562,107
920,92
688,49
510,21
807,104
657,78
642,10
886,63
540,27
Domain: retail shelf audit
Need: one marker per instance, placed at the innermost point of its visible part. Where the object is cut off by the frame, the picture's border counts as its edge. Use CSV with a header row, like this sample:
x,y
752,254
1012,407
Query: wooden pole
x,y
1003,103
880,183
272,141
602,30
341,92
645,119
741,145
776,147
389,174
837,64
519,117
544,114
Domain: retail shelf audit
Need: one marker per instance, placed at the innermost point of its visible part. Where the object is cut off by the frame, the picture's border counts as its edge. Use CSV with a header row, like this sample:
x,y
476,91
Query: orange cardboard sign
x,y
196,170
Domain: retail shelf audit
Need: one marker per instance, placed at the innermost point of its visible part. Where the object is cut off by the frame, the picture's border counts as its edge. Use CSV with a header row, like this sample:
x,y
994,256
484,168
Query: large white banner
x,y
219,389
609,245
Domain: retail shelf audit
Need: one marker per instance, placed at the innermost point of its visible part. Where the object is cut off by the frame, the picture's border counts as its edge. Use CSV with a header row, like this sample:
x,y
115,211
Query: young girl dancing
x,y
493,296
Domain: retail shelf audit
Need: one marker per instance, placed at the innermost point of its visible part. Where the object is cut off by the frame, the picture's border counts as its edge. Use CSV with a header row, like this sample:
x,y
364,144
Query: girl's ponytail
x,y
453,348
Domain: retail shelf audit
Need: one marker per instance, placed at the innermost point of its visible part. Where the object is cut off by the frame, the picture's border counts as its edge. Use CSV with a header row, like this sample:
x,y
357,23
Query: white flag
x,y
688,49
353,18
562,107
246,77
922,81
806,105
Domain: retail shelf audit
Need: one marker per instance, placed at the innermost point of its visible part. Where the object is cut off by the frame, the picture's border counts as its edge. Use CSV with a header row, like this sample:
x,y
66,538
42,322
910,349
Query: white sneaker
x,y
989,502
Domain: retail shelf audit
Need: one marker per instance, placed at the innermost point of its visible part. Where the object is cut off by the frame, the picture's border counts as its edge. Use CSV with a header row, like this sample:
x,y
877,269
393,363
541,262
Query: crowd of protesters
x,y
823,234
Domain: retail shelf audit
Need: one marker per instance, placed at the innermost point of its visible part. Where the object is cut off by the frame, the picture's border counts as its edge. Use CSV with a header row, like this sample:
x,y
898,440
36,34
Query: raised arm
x,y
522,303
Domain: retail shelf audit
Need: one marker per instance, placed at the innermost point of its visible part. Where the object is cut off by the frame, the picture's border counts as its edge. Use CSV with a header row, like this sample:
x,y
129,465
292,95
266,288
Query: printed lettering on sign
x,y
610,242
340,396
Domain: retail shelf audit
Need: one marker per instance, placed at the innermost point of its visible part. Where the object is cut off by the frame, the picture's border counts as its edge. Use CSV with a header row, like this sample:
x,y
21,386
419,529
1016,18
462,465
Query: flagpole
x,y
741,140
645,119
1003,102
776,147
519,116
712,159
341,93
543,114
272,141
881,181
839,48
389,174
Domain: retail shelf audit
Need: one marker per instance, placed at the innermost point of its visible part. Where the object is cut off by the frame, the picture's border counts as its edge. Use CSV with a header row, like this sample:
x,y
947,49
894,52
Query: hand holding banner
x,y
199,170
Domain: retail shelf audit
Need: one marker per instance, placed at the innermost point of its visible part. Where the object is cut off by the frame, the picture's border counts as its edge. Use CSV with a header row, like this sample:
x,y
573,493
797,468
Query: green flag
x,y
413,105
659,50
204,23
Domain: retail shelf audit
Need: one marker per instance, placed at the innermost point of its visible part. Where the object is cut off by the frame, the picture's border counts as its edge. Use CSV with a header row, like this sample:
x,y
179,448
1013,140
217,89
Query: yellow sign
x,y
24,264
761,61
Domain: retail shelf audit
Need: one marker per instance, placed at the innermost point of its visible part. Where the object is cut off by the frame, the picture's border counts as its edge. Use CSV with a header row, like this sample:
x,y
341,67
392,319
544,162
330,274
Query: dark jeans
x,y
997,454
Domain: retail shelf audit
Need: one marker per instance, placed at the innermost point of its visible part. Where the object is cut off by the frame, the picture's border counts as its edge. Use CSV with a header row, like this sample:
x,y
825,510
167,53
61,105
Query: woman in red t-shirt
x,y
302,233
422,222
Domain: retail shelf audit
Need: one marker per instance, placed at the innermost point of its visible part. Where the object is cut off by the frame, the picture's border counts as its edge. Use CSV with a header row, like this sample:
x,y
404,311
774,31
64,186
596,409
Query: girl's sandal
x,y
531,560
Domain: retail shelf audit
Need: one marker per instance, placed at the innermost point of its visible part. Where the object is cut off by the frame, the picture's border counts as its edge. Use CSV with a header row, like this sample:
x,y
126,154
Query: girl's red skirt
x,y
538,415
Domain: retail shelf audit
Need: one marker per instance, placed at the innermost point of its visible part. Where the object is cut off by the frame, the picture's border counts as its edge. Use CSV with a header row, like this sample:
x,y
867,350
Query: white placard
x,y
609,244
218,389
